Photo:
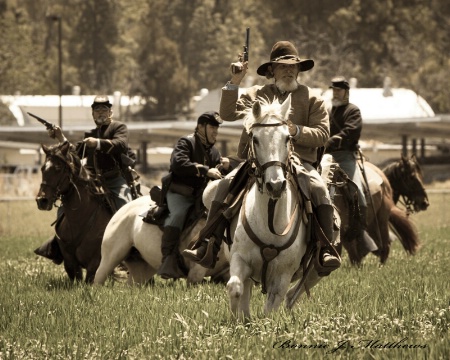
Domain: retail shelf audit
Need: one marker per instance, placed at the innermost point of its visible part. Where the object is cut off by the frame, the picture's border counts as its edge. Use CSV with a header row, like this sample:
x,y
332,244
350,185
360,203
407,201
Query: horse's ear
x,y
45,149
286,107
256,109
65,148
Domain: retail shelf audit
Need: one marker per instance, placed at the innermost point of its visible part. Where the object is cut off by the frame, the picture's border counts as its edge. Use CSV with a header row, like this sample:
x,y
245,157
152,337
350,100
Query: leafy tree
x,y
168,51
94,56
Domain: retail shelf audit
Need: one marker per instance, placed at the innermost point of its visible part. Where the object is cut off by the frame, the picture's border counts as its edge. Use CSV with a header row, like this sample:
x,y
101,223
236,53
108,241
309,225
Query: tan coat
x,y
309,113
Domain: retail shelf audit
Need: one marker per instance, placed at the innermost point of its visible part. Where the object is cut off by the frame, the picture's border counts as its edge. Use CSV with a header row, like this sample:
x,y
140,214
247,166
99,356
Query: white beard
x,y
102,120
337,102
284,86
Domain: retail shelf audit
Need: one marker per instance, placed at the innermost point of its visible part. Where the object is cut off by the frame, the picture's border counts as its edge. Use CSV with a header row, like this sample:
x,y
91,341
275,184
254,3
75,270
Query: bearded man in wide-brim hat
x,y
309,127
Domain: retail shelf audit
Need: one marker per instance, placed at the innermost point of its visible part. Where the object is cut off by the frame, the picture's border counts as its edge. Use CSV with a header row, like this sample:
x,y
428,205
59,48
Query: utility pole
x,y
58,19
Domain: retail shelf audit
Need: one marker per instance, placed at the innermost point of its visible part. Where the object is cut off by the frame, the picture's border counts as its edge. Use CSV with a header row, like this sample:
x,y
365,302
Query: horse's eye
x,y
255,141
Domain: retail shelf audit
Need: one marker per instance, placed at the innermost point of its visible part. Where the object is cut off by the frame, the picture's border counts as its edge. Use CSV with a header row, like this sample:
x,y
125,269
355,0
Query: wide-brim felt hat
x,y
284,52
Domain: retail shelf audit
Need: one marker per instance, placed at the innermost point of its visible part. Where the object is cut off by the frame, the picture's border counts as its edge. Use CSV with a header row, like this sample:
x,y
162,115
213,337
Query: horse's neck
x,y
78,198
284,209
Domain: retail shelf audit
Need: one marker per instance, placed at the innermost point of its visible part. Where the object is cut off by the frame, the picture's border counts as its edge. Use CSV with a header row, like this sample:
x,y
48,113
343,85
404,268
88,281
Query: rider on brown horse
x,y
104,148
345,131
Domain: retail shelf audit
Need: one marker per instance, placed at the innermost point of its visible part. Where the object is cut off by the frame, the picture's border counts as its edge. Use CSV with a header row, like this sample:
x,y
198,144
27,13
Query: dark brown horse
x,y
80,230
406,179
382,211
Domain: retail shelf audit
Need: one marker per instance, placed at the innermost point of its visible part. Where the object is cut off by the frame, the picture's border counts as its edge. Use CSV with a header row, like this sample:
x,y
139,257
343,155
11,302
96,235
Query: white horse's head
x,y
270,143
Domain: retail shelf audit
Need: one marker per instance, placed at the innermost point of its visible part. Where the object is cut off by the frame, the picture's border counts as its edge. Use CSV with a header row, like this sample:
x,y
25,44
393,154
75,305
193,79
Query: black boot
x,y
328,258
171,267
50,250
205,252
365,242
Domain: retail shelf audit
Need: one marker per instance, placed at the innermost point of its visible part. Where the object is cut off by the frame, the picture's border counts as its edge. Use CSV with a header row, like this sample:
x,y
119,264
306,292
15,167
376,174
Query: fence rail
x,y
19,186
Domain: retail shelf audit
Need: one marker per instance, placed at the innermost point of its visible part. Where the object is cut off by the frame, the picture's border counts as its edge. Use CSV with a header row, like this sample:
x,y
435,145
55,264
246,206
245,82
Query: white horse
x,y
268,249
127,230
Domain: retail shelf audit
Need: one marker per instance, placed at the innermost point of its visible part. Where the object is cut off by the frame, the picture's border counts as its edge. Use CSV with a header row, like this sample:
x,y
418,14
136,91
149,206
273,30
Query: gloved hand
x,y
333,143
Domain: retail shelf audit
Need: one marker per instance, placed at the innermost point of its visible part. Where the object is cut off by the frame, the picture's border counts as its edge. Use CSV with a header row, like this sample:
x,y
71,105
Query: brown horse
x,y
382,211
80,229
406,179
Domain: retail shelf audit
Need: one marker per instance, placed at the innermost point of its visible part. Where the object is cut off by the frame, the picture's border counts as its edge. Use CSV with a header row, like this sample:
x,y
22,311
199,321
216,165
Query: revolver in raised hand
x,y
237,67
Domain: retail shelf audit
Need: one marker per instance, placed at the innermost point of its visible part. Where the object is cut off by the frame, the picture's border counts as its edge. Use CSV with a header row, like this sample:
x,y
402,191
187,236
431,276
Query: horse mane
x,y
414,163
390,169
273,109
77,169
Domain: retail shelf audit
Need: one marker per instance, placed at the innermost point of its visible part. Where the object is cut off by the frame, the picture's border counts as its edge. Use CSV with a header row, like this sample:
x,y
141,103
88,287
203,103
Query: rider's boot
x,y
50,250
365,242
328,257
205,252
171,258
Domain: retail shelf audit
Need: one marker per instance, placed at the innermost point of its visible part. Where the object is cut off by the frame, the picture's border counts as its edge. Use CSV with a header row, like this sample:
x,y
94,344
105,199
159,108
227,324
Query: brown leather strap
x,y
271,216
268,252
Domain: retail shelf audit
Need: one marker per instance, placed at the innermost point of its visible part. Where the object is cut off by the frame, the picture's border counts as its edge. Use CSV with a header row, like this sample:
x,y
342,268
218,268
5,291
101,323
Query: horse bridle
x,y
260,169
57,194
407,197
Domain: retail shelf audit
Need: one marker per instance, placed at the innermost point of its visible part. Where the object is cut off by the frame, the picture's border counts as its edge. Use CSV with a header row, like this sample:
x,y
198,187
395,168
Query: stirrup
x,y
208,260
333,264
325,270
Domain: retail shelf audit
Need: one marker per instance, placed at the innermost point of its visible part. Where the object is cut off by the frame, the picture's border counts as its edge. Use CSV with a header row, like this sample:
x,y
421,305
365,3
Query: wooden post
x,y
144,157
405,145
422,148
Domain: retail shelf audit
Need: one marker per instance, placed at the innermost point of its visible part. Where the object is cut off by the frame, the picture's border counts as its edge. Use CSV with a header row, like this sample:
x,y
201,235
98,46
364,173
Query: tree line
x,y
166,51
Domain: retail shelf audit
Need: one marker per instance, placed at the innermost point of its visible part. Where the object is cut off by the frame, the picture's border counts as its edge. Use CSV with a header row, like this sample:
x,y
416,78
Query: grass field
x,y
398,311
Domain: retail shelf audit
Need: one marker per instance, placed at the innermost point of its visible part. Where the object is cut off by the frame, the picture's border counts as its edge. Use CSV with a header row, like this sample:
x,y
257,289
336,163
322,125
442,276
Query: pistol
x,y
237,69
47,124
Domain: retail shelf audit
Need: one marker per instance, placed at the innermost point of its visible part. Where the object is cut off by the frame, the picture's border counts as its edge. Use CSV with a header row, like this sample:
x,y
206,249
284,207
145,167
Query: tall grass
x,y
367,312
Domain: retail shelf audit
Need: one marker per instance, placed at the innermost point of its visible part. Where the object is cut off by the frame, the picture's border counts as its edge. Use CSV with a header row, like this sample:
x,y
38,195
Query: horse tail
x,y
405,229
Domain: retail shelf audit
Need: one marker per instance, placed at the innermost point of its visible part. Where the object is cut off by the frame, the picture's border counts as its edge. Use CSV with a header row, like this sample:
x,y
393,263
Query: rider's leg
x,y
328,257
50,249
170,268
324,210
179,205
348,162
205,250
121,193
365,242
